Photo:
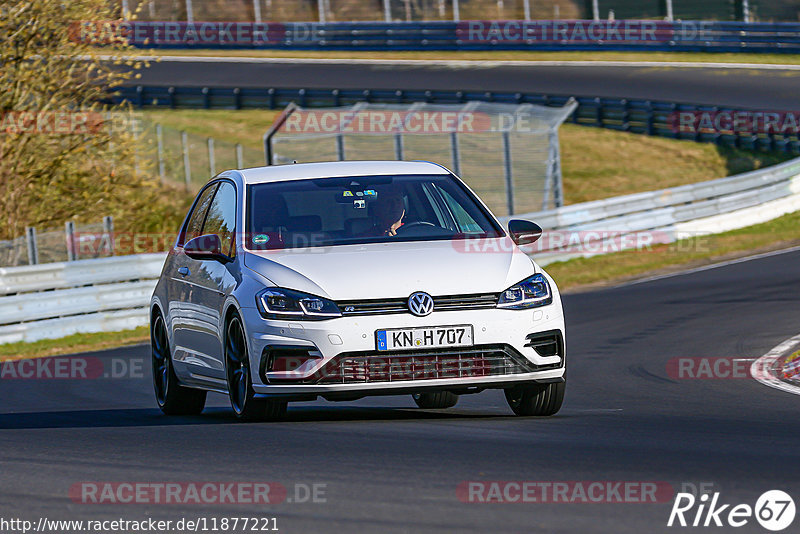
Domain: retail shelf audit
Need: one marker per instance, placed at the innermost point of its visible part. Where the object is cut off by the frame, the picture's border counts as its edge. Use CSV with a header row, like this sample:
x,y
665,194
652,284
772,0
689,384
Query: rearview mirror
x,y
205,247
524,232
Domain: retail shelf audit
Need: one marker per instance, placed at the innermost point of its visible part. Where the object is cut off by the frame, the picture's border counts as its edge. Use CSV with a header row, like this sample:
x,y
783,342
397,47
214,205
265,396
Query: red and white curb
x,y
768,368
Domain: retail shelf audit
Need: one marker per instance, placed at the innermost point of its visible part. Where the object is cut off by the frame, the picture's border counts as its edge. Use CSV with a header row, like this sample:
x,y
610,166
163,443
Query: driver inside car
x,y
389,210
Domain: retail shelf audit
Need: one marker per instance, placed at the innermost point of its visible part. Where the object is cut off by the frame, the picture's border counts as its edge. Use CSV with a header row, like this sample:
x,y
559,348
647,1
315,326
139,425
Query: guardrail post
x,y
239,156
211,163
108,233
187,171
508,175
206,98
33,249
160,143
69,232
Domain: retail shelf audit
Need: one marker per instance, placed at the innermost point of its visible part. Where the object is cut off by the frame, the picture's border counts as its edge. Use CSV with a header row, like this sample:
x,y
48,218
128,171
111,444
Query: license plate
x,y
424,338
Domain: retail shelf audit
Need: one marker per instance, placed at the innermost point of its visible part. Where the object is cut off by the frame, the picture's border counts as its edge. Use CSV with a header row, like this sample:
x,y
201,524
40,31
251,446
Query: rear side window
x,y
194,227
221,218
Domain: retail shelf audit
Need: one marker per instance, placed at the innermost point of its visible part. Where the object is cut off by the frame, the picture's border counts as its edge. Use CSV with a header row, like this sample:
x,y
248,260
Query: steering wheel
x,y
414,224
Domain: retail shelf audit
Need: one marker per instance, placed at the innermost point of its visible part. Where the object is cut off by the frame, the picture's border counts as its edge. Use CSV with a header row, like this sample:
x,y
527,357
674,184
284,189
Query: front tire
x,y
171,396
536,399
245,404
435,401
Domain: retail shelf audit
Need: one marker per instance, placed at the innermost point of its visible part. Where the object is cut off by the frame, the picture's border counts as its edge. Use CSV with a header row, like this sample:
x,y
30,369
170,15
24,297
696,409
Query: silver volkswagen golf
x,y
342,280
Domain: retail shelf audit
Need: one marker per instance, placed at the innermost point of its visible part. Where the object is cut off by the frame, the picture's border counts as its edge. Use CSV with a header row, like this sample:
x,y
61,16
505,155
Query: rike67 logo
x,y
774,510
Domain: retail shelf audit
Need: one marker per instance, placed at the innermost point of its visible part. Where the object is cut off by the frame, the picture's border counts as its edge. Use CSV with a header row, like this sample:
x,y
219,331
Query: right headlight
x,y
530,293
280,303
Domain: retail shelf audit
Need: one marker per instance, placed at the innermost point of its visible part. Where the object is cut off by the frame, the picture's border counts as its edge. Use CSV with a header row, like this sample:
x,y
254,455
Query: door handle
x,y
184,271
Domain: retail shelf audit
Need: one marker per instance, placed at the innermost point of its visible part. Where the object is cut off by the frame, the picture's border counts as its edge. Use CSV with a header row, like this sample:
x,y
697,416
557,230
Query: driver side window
x,y
194,227
221,218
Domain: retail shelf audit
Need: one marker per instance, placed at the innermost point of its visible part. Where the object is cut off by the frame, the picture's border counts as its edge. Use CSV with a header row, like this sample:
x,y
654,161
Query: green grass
x,y
499,55
74,344
609,269
596,163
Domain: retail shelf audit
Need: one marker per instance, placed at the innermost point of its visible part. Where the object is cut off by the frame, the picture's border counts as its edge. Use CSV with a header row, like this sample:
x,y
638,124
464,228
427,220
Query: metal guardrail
x,y
648,117
58,299
674,213
621,35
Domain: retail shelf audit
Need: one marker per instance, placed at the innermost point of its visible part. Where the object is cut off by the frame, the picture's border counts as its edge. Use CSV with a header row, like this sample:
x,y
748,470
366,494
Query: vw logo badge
x,y
420,304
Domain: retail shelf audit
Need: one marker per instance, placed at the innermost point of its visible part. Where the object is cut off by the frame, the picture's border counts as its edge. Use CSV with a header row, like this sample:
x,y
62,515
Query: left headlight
x,y
530,293
279,303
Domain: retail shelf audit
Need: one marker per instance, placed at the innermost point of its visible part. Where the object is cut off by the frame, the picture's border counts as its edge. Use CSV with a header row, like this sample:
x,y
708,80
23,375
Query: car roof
x,y
304,171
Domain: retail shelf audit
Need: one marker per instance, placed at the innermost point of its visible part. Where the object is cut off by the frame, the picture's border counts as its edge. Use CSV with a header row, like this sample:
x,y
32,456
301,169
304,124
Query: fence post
x,y
321,10
257,10
69,232
340,147
554,170
526,4
211,162
387,10
189,11
595,10
187,171
670,16
456,11
745,11
455,156
398,146
239,156
160,141
33,249
508,175
126,10
108,231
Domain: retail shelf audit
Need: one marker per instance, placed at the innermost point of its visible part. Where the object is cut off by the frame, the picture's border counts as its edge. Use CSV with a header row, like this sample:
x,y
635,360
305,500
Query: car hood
x,y
392,270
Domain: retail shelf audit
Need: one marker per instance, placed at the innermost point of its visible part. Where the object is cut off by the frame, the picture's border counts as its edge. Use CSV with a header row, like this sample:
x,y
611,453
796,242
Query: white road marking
x,y
761,369
460,63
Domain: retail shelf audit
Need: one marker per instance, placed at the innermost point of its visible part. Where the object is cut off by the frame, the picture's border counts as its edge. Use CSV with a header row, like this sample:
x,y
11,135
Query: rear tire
x,y
171,396
435,401
245,404
536,399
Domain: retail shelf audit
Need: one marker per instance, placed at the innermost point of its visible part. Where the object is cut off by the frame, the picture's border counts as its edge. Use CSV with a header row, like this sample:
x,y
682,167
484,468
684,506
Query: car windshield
x,y
363,209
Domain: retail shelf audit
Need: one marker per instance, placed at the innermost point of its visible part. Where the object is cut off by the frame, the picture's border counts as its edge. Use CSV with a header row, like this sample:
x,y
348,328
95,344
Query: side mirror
x,y
524,232
205,247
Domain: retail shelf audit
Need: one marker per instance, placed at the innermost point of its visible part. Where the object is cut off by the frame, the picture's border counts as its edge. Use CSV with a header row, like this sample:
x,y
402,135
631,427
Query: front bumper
x,y
329,342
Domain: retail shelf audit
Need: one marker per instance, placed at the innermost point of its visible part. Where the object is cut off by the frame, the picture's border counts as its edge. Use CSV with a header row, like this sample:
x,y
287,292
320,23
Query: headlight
x,y
279,303
530,293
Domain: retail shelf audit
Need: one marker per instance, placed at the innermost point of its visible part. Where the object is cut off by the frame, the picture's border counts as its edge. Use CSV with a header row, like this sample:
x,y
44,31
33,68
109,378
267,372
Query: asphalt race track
x,y
750,88
389,467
